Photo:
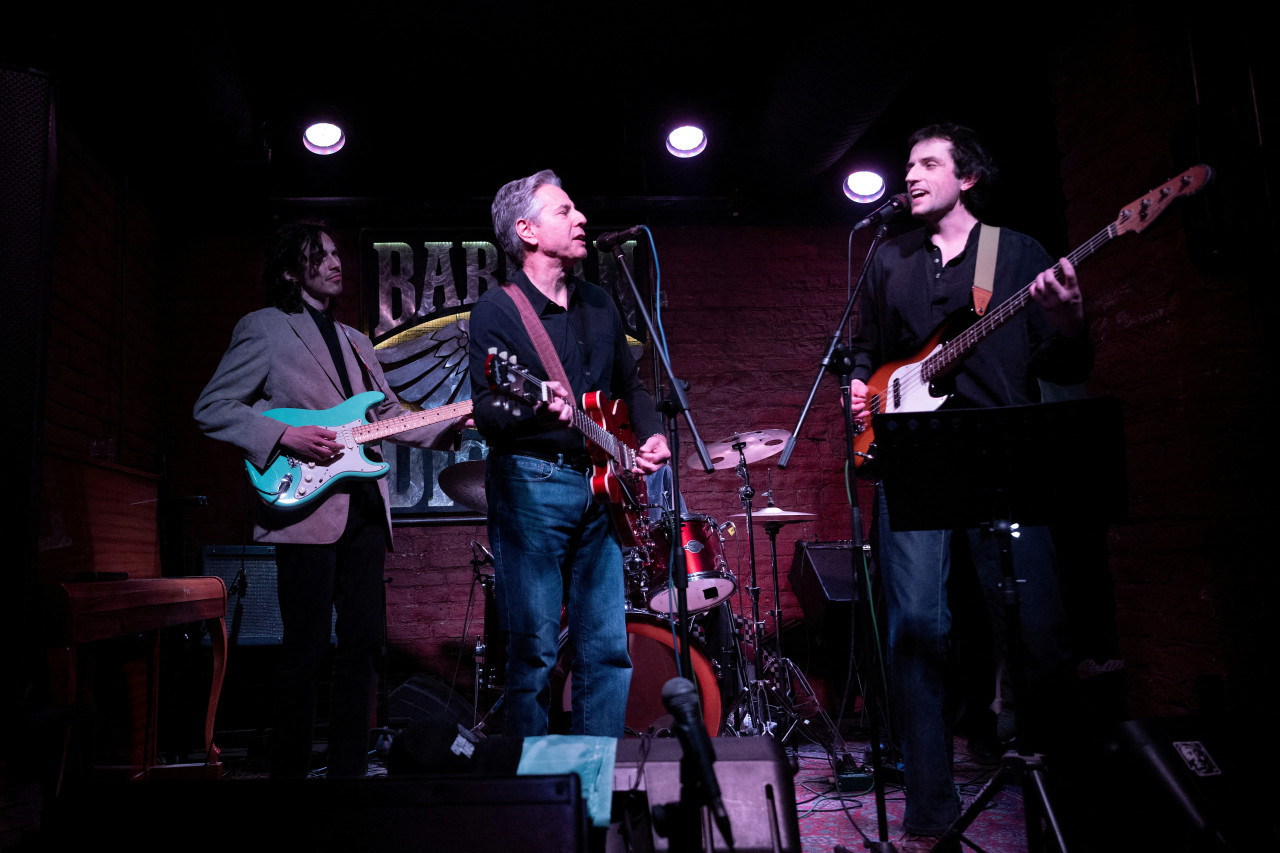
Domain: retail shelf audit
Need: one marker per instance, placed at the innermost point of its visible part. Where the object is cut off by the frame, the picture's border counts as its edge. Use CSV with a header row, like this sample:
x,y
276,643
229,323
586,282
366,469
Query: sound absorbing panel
x,y
28,175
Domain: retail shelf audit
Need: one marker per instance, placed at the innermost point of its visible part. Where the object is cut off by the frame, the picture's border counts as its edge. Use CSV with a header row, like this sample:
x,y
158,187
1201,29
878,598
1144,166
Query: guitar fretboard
x,y
381,429
958,347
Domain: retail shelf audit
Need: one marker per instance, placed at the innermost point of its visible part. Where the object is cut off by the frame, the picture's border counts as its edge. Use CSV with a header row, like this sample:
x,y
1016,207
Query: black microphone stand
x,y
671,406
838,361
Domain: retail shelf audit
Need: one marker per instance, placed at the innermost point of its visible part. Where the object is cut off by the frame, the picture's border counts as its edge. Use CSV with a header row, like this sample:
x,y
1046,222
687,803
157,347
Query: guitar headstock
x,y
508,381
1137,215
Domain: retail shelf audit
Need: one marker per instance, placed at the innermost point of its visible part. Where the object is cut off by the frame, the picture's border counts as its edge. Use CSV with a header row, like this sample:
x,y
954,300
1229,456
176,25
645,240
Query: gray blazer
x,y
279,360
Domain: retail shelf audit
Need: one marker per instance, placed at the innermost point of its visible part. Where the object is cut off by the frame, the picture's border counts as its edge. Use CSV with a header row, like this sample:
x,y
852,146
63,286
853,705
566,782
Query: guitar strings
x,y
951,352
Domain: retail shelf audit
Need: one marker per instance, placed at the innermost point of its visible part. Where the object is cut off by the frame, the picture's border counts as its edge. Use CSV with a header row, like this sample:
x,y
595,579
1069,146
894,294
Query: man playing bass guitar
x,y
916,281
549,532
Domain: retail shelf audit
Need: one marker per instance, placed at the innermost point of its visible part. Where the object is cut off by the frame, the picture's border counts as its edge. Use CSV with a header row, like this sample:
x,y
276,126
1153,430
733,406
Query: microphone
x,y
885,212
613,238
680,698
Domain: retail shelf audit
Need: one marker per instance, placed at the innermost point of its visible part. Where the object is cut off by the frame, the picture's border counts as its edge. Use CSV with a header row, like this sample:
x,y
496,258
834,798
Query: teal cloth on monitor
x,y
590,758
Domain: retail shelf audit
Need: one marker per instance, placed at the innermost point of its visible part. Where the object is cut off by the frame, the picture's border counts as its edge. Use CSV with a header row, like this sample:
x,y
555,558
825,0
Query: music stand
x,y
999,468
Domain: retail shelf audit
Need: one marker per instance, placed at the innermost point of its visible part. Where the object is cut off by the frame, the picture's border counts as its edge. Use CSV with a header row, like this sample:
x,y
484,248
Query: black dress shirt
x,y
908,292
592,345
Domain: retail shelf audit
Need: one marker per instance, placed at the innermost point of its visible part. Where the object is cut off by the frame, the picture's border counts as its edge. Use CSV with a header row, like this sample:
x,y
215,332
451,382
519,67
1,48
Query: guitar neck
x,y
596,434
580,420
958,347
382,429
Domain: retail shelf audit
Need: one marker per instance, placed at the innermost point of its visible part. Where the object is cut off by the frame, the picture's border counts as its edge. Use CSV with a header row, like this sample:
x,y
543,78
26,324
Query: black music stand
x,y
1000,468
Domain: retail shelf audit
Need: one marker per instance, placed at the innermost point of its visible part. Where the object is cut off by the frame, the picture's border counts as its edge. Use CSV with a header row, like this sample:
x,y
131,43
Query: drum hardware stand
x,y
746,714
789,675
491,647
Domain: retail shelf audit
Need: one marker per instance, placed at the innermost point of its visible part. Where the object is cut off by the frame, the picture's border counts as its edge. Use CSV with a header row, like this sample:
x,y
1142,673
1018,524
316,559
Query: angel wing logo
x,y
427,365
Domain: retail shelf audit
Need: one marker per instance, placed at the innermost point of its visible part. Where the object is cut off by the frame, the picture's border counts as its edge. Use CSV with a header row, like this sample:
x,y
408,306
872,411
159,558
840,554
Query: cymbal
x,y
758,444
774,515
464,482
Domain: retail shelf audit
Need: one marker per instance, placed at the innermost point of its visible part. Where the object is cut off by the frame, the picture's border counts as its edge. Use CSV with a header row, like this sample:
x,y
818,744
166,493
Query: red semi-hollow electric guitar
x,y
606,425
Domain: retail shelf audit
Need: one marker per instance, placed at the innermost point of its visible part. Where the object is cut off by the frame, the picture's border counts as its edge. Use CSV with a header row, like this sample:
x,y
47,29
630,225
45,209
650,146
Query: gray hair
x,y
515,201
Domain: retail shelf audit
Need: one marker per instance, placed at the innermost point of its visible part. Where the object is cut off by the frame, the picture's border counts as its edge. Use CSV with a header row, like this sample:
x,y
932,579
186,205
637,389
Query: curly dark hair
x,y
970,156
293,246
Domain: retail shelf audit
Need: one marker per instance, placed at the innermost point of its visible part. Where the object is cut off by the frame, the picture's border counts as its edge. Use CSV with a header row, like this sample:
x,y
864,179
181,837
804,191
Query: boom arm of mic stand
x,y
680,576
831,347
677,387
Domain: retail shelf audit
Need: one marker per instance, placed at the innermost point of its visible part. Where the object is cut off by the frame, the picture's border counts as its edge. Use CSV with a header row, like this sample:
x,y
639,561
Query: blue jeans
x,y
914,567
553,547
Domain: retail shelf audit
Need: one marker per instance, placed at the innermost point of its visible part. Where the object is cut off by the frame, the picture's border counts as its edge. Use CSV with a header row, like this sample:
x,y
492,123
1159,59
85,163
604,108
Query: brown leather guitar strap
x,y
538,334
984,271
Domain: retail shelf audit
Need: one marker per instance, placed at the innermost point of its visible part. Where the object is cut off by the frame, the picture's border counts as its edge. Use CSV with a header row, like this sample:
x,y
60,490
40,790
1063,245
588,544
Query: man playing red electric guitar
x,y
548,531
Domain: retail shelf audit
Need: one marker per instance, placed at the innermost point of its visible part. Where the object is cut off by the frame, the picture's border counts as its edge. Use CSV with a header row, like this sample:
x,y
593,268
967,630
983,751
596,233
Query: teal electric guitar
x,y
290,483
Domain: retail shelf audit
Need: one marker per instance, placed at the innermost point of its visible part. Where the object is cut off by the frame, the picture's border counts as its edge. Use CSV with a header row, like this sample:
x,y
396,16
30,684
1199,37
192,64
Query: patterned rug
x,y
829,818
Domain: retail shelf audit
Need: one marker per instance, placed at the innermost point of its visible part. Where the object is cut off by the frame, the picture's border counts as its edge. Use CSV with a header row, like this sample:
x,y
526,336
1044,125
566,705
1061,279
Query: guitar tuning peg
x,y
493,350
502,356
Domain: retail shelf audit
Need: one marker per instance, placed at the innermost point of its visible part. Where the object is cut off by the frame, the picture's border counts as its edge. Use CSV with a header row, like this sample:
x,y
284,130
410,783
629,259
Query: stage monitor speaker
x,y
253,613
822,580
478,814
757,784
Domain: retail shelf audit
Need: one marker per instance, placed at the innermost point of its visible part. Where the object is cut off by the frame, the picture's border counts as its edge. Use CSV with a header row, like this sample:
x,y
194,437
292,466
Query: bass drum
x,y
653,663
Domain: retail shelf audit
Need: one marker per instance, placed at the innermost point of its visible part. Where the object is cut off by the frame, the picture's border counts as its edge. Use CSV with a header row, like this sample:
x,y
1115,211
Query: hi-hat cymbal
x,y
774,515
464,482
756,445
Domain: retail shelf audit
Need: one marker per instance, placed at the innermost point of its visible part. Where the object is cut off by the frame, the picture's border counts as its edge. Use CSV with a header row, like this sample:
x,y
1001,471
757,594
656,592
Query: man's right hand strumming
x,y
310,443
858,404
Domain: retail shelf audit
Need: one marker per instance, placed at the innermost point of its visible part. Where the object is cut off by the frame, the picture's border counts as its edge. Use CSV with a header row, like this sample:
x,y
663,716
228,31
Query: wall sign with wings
x,y
418,289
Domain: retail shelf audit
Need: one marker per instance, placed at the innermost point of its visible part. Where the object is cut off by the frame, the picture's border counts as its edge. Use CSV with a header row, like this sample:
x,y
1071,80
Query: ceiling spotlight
x,y
324,137
686,141
864,187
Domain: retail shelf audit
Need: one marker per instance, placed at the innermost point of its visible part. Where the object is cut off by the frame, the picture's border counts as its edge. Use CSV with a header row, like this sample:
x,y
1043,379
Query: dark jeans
x,y
550,539
312,580
914,567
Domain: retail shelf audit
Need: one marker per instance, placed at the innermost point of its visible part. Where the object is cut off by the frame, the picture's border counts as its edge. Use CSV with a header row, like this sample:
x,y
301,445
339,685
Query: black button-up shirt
x,y
591,342
909,292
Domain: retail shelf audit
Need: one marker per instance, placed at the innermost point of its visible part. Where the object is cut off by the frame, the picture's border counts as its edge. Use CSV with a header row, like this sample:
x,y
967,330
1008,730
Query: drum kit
x,y
746,685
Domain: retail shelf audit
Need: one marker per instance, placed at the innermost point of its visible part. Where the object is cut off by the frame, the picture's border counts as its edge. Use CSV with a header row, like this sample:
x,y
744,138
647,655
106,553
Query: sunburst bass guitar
x,y
291,483
909,385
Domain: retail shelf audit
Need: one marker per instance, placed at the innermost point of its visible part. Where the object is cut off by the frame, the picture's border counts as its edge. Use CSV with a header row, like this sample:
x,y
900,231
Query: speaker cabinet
x,y
253,610
822,578
479,814
756,783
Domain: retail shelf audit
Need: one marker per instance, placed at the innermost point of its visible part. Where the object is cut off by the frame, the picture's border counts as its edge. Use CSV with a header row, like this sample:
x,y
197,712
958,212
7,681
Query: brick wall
x,y
1179,314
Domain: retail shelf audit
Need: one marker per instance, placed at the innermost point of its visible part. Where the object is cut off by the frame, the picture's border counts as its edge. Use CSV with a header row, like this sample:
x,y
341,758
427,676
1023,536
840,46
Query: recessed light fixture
x,y
324,137
687,141
864,187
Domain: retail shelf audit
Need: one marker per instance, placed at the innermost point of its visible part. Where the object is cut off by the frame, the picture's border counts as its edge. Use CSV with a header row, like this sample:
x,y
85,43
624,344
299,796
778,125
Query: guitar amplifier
x,y
253,611
822,579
